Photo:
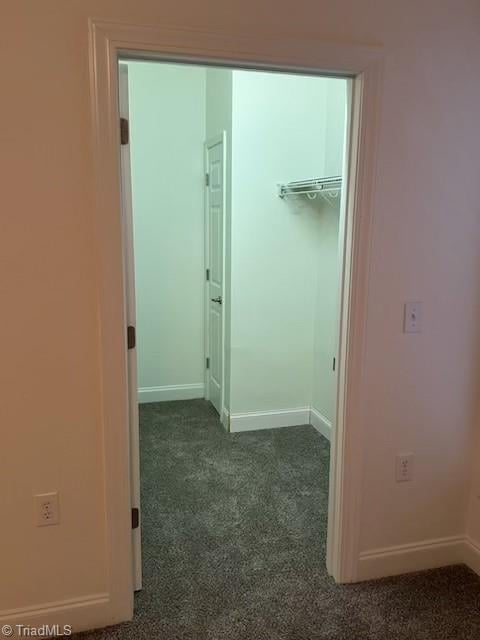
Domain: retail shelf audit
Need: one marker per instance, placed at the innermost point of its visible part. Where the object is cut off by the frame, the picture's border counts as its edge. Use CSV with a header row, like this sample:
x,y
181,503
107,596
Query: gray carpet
x,y
234,532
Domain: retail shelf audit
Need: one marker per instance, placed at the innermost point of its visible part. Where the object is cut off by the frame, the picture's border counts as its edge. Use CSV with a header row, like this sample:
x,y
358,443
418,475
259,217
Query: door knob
x,y
217,300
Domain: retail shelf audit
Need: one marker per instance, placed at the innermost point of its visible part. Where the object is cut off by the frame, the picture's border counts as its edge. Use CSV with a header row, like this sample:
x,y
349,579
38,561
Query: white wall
x,y
328,271
325,313
279,135
168,124
420,393
218,101
335,116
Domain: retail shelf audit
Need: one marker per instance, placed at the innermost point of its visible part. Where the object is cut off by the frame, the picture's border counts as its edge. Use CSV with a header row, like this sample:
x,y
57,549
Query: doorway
x,y
363,66
270,270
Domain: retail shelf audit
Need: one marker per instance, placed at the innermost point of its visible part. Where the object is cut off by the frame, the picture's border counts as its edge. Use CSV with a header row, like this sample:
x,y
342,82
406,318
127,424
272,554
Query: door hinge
x,y
207,179
334,364
124,131
131,337
135,518
207,363
207,274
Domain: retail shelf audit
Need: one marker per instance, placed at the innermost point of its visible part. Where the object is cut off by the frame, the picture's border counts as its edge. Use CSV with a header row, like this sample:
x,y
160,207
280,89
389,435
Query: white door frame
x,y
130,310
108,42
220,138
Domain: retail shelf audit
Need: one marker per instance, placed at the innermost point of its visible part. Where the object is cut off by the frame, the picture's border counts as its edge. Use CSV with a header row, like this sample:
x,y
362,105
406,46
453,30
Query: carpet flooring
x,y
234,534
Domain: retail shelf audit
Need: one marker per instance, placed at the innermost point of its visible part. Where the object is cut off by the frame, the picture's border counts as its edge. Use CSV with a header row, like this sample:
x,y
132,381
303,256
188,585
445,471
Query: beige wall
x,y
421,389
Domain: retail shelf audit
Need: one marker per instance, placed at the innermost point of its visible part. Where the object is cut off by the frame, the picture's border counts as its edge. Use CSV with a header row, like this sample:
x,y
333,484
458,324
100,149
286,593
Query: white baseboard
x,y
269,419
427,554
254,420
88,612
320,423
225,419
171,392
471,555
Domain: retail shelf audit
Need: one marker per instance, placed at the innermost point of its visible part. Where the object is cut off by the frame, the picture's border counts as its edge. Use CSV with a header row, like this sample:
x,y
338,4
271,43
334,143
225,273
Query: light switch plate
x,y
412,321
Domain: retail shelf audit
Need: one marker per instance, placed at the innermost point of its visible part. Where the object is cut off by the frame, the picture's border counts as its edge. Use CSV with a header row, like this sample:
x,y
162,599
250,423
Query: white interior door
x,y
215,212
129,267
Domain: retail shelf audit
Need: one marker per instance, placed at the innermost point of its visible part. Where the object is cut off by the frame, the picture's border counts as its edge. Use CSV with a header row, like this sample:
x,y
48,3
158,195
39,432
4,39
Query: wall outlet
x,y
412,320
404,467
47,509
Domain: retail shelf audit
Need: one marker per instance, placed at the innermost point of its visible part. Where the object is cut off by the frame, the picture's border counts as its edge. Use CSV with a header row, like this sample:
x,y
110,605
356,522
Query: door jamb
x,y
130,311
109,42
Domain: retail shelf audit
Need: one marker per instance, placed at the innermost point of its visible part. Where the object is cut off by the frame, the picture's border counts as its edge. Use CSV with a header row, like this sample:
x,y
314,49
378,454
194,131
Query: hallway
x,y
234,533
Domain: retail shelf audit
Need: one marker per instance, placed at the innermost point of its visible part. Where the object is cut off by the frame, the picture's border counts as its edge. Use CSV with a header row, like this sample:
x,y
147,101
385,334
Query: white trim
x,y
348,439
225,419
254,420
419,556
405,558
320,423
298,54
171,392
130,310
471,554
80,613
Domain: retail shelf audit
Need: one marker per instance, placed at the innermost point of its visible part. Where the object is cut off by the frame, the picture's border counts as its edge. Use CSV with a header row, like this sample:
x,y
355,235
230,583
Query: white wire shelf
x,y
329,187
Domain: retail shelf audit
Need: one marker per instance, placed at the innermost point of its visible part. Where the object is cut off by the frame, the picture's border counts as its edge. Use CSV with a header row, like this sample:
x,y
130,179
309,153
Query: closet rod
x,y
310,187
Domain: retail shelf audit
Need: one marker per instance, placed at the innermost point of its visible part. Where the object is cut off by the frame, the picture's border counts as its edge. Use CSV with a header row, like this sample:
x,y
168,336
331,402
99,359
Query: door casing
x,y
110,42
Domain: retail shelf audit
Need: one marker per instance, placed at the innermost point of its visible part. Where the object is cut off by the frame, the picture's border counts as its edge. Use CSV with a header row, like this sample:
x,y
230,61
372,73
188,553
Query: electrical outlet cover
x,y
47,510
404,467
